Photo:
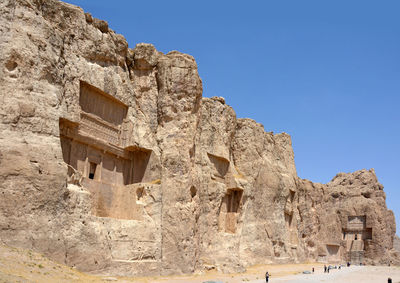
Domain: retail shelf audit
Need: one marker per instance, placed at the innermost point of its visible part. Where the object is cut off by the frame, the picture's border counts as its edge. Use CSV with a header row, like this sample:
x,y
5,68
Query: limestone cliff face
x,y
111,161
346,218
396,243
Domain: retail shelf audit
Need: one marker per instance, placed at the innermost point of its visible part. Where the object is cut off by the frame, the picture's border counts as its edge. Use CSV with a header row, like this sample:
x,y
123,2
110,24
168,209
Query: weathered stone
x,y
145,56
348,218
396,250
111,161
89,18
100,24
396,243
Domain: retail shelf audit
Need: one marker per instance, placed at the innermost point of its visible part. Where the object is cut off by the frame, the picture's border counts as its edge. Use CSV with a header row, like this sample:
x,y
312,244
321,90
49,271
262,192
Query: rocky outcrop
x,y
396,250
396,243
346,218
111,161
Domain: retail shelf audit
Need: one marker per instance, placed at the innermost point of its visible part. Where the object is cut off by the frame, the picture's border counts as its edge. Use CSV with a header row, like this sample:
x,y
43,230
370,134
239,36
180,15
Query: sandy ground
x,y
354,274
253,274
292,273
19,265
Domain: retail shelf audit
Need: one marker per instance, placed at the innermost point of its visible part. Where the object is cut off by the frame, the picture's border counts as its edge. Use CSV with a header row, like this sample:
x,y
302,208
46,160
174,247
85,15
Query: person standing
x,y
267,277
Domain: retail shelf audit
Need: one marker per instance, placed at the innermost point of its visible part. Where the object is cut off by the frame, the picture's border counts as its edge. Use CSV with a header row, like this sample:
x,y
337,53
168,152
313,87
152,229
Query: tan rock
x,y
348,217
112,162
145,56
396,243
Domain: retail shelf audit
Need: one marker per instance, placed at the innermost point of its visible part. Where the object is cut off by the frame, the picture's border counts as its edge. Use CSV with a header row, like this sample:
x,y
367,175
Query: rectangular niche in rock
x,y
229,210
93,148
219,167
367,234
333,253
140,163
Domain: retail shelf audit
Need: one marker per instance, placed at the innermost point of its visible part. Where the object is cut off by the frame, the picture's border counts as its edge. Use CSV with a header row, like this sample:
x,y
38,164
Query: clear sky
x,y
326,72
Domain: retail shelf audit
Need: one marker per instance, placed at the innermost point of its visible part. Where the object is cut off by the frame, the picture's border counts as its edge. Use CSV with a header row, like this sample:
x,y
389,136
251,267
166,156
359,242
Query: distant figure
x,y
348,264
329,267
355,237
266,277
313,270
340,266
324,268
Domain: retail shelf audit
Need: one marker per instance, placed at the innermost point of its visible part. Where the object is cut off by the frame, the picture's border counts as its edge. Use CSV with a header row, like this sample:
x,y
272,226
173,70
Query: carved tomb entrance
x,y
96,151
355,234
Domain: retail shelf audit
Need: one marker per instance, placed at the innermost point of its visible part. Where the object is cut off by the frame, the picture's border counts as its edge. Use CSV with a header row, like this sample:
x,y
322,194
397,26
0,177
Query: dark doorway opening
x,y
92,170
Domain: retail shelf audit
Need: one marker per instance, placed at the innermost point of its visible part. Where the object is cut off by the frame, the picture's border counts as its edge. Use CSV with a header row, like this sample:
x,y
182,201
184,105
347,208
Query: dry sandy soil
x,y
293,274
18,265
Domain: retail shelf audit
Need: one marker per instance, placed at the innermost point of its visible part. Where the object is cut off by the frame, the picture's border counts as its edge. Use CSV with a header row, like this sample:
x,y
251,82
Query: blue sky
x,y
326,72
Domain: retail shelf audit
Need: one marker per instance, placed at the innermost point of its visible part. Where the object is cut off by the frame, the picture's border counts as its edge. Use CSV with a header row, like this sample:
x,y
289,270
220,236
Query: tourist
x,y
266,277
324,268
313,270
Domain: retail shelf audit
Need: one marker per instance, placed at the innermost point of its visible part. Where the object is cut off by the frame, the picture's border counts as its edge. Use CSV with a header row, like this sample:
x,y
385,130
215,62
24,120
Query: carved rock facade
x,y
111,161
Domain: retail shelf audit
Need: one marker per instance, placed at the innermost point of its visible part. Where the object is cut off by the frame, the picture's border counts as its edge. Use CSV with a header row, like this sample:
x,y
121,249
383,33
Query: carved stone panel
x,y
356,222
106,107
99,129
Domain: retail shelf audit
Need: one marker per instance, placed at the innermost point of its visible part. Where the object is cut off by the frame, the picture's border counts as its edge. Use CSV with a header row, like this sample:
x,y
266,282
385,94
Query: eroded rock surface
x,y
111,161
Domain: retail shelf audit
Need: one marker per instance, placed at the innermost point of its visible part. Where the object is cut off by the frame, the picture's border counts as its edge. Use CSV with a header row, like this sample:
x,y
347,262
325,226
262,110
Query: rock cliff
x,y
396,243
111,161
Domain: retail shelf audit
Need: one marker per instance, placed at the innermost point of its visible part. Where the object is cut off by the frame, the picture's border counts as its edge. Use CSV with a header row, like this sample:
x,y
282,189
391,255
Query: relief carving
x,y
96,128
93,150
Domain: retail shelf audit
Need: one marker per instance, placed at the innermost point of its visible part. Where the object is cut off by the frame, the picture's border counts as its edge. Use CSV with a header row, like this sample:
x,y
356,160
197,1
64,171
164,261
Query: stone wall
x,y
111,161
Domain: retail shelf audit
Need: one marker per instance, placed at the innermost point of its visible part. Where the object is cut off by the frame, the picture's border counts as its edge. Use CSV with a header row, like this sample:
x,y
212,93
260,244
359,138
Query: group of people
x,y
326,270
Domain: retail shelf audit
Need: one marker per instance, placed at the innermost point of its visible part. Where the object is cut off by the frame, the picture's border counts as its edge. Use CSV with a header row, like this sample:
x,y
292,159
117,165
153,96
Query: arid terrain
x,y
19,265
287,273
